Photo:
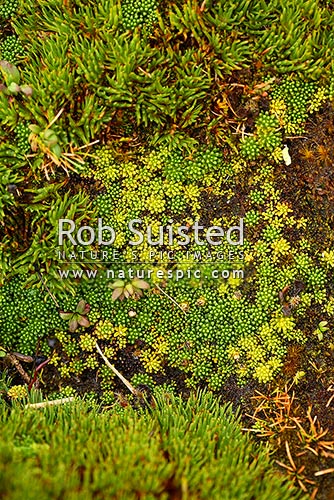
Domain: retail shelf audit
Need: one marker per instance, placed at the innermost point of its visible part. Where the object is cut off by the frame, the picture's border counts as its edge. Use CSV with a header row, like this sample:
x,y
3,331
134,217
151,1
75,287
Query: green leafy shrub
x,y
105,76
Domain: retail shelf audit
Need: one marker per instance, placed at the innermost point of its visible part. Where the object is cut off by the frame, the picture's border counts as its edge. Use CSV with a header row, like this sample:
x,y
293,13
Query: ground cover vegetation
x,y
173,113
171,466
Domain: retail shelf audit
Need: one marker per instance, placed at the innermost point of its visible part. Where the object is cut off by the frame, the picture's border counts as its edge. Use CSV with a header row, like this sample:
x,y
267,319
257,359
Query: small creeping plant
x,y
78,317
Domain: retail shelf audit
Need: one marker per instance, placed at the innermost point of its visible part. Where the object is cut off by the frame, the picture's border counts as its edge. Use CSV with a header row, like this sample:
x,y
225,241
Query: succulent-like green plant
x,y
45,140
45,143
78,317
11,78
321,329
124,290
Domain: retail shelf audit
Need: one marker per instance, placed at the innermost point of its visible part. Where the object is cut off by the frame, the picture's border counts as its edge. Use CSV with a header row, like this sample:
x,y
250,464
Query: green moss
x,y
11,49
167,111
138,13
148,442
8,8
25,318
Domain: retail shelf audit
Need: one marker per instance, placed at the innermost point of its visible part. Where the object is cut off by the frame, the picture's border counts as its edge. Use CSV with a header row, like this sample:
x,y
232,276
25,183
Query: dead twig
x,y
116,372
323,472
47,288
170,298
19,367
53,402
